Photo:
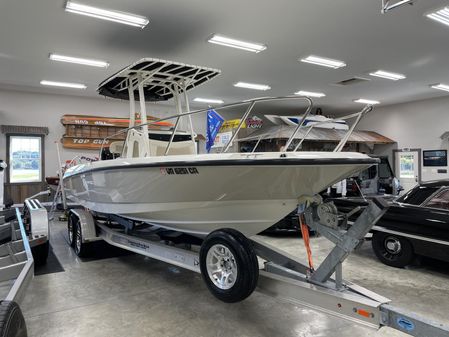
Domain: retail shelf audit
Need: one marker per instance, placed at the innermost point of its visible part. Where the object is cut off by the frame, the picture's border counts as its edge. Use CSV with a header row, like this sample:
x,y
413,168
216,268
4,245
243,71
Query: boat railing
x,y
251,103
358,115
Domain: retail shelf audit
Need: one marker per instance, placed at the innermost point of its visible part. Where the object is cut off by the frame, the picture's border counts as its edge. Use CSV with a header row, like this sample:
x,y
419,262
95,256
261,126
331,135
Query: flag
x,y
214,123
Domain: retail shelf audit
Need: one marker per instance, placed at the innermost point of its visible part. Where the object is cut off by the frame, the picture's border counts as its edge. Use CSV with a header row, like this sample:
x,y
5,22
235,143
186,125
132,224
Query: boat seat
x,y
157,148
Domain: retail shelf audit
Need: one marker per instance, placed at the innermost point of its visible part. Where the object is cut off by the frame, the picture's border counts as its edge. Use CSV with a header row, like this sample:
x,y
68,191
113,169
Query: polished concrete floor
x,y
136,296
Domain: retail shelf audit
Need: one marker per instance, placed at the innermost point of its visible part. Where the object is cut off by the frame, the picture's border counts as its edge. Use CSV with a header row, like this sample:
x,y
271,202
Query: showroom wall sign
x,y
88,132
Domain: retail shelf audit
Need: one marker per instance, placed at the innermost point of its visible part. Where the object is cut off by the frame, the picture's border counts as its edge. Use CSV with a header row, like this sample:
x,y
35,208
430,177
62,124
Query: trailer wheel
x,y
70,230
229,265
82,249
40,253
12,322
392,250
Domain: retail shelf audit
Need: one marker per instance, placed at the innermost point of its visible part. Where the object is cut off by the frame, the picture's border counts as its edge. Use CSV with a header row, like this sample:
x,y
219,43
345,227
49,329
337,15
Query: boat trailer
x,y
282,276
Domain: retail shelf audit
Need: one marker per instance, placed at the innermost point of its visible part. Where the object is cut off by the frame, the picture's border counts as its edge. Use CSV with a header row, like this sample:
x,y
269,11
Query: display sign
x,y
222,139
231,124
254,122
435,158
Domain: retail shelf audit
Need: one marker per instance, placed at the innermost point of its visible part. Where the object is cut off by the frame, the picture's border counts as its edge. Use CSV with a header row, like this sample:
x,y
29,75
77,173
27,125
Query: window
x,y
417,195
406,166
441,200
25,159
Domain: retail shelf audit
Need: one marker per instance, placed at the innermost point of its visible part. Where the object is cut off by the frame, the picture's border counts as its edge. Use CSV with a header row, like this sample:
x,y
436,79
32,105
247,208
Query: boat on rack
x,y
163,181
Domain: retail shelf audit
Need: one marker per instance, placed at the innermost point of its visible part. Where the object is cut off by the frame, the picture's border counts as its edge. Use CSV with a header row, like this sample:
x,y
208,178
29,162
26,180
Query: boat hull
x,y
247,193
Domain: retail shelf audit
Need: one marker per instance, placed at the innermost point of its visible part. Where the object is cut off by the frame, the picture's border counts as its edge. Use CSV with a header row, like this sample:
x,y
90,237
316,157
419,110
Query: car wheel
x,y
392,250
229,265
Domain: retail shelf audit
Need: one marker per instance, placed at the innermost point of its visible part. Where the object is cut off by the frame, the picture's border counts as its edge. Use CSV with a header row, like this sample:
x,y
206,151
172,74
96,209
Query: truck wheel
x,y
70,230
229,265
40,253
12,323
82,249
392,250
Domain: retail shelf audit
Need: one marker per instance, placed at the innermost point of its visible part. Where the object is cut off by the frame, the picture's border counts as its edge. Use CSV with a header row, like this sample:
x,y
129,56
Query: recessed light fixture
x,y
64,84
366,101
208,100
229,42
310,93
77,60
252,86
441,16
388,75
323,61
440,86
106,14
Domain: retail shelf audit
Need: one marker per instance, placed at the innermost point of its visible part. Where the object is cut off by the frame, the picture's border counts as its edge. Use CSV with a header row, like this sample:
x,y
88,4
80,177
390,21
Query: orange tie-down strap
x,y
306,238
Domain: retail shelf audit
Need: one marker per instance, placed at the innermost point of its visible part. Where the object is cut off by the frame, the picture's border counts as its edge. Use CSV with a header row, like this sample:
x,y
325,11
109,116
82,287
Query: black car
x,y
416,224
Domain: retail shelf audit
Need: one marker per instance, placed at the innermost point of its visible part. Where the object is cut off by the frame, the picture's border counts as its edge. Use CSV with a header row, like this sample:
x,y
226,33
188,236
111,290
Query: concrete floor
x,y
136,296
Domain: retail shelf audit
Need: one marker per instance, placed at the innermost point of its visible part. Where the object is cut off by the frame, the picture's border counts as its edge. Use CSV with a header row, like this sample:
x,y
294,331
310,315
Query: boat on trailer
x,y
163,181
157,192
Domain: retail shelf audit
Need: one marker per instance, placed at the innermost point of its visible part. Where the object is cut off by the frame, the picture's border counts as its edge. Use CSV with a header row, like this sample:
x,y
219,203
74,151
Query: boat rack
x,y
282,276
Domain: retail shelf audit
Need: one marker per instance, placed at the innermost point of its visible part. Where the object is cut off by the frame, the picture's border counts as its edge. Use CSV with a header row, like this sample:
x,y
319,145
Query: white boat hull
x,y
201,193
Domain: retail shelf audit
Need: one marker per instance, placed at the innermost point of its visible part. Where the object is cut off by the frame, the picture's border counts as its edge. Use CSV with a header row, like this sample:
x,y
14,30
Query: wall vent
x,y
352,81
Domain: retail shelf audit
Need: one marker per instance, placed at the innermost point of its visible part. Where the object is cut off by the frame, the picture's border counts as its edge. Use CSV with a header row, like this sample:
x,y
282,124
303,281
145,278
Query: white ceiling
x,y
354,31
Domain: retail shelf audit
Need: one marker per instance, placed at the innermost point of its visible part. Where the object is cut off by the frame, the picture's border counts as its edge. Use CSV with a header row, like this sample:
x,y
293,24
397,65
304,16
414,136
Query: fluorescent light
x,y
310,93
366,101
441,16
208,100
64,84
105,14
77,60
397,4
322,61
229,42
388,75
252,86
440,86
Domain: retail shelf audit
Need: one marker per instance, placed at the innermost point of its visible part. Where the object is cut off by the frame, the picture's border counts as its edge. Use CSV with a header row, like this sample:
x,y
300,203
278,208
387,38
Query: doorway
x,y
408,167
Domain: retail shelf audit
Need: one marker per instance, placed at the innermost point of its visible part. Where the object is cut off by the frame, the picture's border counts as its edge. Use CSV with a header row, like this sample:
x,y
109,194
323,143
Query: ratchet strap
x,y
306,238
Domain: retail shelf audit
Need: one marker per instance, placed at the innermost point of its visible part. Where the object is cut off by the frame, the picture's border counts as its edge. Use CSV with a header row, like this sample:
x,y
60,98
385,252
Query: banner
x,y
214,122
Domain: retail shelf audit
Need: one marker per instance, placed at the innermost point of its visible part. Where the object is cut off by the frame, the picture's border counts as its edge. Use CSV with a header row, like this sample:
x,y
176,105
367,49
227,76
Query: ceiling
x,y
354,31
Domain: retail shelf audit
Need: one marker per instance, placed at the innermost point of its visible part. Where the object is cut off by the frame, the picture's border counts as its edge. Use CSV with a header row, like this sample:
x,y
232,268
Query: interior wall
x,y
416,124
37,109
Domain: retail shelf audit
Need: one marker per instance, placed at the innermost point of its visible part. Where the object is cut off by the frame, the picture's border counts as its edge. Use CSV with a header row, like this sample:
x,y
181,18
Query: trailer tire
x,y
230,250
70,229
82,249
12,322
392,250
40,253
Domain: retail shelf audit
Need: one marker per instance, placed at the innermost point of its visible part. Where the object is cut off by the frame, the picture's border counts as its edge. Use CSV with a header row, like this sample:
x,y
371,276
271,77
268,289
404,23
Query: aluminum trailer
x,y
16,272
282,276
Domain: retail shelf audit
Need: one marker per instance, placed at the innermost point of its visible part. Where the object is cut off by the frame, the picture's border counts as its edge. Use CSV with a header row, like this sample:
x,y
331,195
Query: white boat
x,y
315,120
164,182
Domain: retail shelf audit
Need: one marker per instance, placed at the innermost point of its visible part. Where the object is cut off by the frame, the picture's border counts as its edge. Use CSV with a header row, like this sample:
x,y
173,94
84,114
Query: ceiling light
x,y
322,61
229,42
310,93
441,16
387,7
104,14
440,86
252,86
208,100
366,101
388,75
64,84
77,60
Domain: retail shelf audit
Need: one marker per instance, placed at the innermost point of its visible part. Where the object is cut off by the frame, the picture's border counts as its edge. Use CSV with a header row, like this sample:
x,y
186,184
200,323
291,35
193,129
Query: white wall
x,y
35,109
416,124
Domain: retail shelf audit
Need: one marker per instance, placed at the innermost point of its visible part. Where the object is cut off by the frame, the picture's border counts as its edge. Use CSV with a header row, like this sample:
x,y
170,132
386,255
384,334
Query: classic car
x,y
416,224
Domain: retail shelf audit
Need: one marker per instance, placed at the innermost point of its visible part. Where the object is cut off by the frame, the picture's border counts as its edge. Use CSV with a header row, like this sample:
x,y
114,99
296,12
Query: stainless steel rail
x,y
251,104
